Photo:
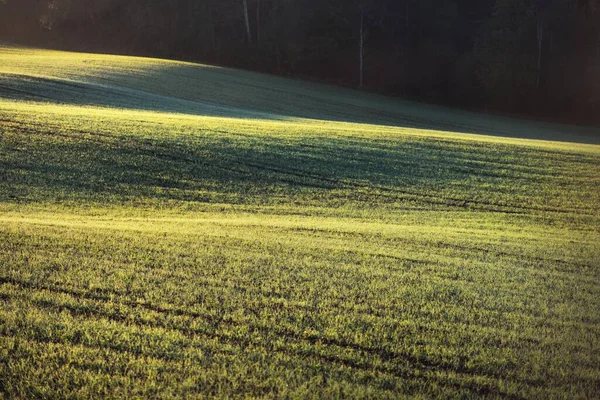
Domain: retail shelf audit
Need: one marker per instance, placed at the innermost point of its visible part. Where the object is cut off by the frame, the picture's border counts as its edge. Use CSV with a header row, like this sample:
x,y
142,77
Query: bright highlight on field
x,y
176,230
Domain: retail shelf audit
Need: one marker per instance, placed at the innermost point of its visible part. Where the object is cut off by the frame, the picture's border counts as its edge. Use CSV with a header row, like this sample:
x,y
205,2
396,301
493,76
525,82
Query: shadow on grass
x,y
320,172
210,91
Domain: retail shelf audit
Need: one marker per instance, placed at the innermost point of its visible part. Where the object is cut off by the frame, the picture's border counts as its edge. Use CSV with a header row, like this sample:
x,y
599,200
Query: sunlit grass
x,y
172,230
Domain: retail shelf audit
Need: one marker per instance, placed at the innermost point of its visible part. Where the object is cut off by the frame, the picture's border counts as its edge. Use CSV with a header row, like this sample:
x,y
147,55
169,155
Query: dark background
x,y
529,57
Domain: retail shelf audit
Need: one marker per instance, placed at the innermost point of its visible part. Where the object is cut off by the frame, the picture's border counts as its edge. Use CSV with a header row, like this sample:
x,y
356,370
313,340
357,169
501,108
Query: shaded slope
x,y
58,153
162,85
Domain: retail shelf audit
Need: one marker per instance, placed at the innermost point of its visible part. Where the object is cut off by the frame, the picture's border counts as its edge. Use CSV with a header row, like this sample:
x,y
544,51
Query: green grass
x,y
172,230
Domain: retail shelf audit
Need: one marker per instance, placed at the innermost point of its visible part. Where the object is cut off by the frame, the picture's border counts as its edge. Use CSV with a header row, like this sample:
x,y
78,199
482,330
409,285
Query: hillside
x,y
172,229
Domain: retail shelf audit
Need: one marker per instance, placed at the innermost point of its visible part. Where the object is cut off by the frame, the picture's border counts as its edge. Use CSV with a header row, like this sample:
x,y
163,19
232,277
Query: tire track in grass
x,y
381,353
427,244
162,150
454,161
239,286
96,350
381,311
306,363
378,310
442,200
412,366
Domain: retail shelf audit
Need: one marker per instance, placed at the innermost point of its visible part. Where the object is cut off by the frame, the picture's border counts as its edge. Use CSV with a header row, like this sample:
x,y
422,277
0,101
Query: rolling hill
x,y
173,229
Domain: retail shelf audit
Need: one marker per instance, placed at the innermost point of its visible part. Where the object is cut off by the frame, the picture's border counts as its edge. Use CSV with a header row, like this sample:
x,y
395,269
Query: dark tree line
x,y
538,57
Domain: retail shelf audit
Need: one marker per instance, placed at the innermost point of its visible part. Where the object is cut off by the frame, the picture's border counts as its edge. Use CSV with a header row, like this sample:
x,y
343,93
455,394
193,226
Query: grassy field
x,y
174,230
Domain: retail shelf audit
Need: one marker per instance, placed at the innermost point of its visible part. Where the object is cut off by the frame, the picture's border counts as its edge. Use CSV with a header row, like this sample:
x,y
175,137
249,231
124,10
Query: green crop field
x,y
173,230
